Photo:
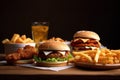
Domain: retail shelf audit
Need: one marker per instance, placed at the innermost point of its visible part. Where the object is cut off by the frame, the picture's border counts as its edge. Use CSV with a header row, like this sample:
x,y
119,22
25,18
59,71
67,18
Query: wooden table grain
x,y
11,72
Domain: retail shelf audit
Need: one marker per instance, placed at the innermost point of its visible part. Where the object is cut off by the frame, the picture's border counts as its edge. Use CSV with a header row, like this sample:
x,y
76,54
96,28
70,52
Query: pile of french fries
x,y
56,39
99,56
16,38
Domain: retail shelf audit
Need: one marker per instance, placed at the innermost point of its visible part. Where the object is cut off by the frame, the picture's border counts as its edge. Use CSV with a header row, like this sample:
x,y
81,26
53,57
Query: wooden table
x,y
23,73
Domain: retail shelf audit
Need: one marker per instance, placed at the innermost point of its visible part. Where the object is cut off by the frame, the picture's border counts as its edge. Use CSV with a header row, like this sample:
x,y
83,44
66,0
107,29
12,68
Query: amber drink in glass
x,y
40,31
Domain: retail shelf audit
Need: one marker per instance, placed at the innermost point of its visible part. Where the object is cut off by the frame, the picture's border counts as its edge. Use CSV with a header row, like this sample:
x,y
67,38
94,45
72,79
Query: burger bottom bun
x,y
52,64
29,61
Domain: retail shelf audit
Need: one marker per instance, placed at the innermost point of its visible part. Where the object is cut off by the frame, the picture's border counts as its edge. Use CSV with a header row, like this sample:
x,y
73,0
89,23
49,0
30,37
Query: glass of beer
x,y
40,31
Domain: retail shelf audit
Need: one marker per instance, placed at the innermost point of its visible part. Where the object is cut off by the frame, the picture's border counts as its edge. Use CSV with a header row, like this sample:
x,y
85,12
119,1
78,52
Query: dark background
x,y
65,18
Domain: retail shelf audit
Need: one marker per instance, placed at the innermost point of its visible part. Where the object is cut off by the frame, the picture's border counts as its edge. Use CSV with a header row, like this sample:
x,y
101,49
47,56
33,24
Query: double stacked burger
x,y
85,40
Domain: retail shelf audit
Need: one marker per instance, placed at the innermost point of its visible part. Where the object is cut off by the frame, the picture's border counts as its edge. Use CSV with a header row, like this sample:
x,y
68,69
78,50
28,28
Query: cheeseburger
x,y
85,40
52,53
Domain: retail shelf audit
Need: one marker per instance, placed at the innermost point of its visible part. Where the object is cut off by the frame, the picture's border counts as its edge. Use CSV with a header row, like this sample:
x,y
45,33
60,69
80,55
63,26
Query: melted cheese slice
x,y
87,47
91,47
48,52
62,52
84,40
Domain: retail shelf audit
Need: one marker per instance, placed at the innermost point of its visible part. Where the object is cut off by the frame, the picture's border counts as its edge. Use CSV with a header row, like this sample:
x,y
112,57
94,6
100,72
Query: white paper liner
x,y
42,68
3,62
47,68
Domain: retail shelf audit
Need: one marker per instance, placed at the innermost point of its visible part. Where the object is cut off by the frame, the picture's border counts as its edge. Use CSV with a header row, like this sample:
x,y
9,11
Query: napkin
x,y
47,68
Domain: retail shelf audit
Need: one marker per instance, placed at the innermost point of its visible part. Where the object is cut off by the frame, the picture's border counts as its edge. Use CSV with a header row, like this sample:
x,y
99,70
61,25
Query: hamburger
x,y
85,40
52,54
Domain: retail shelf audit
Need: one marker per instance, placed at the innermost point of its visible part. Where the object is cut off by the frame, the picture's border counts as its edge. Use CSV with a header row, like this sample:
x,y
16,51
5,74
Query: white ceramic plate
x,y
97,66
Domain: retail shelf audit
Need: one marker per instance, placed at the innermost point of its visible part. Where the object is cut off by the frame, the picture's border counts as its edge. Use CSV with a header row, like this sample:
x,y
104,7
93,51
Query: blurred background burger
x,y
52,53
85,40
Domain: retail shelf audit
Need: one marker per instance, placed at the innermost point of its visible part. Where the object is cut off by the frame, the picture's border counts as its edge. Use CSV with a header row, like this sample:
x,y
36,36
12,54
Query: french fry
x,y
101,56
71,60
85,52
56,39
84,55
97,55
77,58
28,40
6,41
106,51
19,40
116,51
23,37
15,37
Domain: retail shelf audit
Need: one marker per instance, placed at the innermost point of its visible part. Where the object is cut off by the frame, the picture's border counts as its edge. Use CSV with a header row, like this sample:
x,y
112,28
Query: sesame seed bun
x,y
54,45
86,34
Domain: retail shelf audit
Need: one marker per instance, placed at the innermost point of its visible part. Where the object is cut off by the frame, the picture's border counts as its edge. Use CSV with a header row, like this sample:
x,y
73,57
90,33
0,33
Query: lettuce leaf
x,y
38,59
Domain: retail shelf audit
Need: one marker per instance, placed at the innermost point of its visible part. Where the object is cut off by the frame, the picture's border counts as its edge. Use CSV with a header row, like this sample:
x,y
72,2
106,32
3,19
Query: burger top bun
x,y
86,34
53,45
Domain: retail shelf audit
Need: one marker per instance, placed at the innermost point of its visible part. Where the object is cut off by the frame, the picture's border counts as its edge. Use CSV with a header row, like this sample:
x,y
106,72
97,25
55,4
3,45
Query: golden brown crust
x,y
86,34
27,61
54,45
80,43
52,64
22,55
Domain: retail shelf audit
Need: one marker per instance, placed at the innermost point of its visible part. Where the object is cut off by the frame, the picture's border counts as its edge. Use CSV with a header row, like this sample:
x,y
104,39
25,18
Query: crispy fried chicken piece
x,y
13,56
22,53
90,42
